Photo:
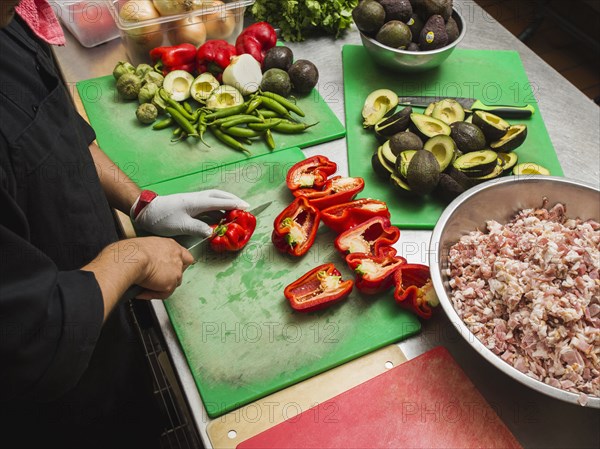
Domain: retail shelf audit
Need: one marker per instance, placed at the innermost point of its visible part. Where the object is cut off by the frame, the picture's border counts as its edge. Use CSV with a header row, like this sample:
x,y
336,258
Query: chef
x,y
72,373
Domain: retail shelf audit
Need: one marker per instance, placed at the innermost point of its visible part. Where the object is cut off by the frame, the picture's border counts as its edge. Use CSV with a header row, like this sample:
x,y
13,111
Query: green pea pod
x,y
267,124
266,113
228,140
287,127
235,120
174,104
284,102
254,104
238,131
269,139
163,124
185,124
273,105
226,112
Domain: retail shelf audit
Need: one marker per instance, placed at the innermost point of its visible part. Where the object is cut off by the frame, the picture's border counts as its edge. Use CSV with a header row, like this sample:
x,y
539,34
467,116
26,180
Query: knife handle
x,y
505,111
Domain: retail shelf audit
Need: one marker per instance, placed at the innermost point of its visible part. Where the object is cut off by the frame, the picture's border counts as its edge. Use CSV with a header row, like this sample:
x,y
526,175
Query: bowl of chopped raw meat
x,y
516,268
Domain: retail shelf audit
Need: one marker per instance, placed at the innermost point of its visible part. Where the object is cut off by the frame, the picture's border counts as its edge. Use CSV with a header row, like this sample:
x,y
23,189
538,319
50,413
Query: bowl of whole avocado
x,y
409,35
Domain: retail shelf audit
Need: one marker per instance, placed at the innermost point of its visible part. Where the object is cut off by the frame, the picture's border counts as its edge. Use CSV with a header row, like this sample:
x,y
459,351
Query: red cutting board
x,y
427,402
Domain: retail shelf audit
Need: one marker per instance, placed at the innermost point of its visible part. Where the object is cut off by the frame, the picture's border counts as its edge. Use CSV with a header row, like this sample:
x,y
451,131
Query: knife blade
x,y
195,248
472,104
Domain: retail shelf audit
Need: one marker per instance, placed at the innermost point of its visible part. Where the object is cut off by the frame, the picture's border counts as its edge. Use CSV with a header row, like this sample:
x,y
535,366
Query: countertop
x,y
573,123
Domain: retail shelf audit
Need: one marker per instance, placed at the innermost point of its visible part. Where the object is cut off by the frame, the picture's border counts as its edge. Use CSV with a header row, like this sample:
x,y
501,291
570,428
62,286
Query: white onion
x,y
171,7
243,73
190,30
136,12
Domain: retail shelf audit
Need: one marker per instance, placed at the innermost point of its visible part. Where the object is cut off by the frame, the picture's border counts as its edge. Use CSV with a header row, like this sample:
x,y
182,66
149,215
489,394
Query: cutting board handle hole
x,y
388,365
232,434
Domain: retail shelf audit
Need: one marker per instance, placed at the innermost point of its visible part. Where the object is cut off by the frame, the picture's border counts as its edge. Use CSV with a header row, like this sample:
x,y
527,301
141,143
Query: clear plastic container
x,y
90,22
210,19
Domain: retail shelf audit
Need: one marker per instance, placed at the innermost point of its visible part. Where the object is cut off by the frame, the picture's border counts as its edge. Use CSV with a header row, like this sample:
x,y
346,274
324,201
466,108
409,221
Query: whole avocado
x,y
394,34
436,7
304,76
433,34
369,16
278,57
277,81
397,10
415,23
452,30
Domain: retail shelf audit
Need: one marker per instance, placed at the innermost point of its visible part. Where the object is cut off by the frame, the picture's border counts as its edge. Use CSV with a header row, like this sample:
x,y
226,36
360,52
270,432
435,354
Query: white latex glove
x,y
171,215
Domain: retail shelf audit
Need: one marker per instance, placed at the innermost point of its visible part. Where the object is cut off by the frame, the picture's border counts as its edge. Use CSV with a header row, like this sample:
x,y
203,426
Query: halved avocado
x,y
387,154
448,188
377,105
467,136
423,172
513,138
476,163
448,111
493,127
429,110
400,185
508,161
395,123
405,141
443,148
529,168
381,167
402,162
426,127
469,119
496,171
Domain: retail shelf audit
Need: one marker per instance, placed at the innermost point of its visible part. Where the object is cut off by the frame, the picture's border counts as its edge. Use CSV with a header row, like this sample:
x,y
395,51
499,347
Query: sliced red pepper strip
x,y
214,56
374,274
177,57
310,173
342,217
320,287
256,39
414,290
234,232
295,228
339,189
368,237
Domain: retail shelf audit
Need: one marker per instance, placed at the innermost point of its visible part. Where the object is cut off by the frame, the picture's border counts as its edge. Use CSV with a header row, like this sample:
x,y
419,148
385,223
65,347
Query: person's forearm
x,y
116,268
120,190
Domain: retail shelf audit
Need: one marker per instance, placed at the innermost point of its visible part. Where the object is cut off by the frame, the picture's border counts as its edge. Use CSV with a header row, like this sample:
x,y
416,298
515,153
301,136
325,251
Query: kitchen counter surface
x,y
573,123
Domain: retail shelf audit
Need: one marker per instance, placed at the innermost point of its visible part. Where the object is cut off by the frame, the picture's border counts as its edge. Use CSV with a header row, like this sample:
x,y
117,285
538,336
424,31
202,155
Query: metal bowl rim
x,y
456,320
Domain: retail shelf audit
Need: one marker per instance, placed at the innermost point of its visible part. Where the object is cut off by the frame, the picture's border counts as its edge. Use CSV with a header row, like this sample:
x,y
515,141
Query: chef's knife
x,y
471,104
196,249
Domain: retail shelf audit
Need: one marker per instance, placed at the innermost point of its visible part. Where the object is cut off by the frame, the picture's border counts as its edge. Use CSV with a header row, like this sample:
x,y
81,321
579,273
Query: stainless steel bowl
x,y
499,200
412,61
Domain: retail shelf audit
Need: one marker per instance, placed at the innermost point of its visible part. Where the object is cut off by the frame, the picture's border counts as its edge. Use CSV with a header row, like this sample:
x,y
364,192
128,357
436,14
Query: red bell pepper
x,y
295,228
178,57
256,40
368,237
414,290
310,173
338,189
342,217
214,56
374,274
233,232
320,287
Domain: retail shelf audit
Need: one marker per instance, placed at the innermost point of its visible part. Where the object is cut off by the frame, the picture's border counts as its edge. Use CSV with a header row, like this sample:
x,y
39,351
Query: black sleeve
x,y
87,131
49,320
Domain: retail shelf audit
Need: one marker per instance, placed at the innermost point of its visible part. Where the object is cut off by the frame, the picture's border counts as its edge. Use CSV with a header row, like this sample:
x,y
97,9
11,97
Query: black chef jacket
x,y
65,380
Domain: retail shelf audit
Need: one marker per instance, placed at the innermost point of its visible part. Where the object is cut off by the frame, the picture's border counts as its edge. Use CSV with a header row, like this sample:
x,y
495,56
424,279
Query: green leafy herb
x,y
296,19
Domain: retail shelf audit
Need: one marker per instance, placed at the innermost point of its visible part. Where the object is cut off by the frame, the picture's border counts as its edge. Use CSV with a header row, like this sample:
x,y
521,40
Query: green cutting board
x,y
241,338
495,77
149,156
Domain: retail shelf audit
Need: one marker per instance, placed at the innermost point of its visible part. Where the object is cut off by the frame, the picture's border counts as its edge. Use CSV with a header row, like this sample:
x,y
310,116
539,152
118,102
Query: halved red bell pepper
x,y
214,56
342,217
368,237
256,39
374,274
233,232
295,227
320,287
414,290
339,189
310,173
177,57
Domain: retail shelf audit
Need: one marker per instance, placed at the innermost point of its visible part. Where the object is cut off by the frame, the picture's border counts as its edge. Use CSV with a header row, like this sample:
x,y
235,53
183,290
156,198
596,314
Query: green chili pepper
x,y
177,131
182,121
226,112
188,107
273,105
266,113
174,104
163,124
238,131
284,102
202,127
234,120
269,139
287,127
267,124
254,103
228,140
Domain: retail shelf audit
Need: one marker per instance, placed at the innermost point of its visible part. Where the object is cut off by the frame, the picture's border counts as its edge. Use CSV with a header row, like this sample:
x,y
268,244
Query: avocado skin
x,y
413,47
397,9
433,35
452,29
276,81
278,57
415,27
369,16
304,76
394,34
405,141
448,188
436,7
467,137
423,172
